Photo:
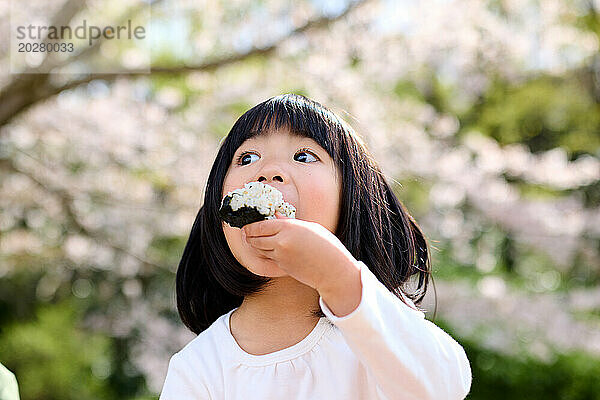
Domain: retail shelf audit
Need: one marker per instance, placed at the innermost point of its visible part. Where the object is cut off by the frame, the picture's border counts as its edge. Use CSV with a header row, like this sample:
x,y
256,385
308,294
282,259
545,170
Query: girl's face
x,y
298,167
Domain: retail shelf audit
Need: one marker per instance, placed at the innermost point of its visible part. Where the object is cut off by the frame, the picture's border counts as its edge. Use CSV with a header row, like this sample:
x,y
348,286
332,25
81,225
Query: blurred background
x,y
484,114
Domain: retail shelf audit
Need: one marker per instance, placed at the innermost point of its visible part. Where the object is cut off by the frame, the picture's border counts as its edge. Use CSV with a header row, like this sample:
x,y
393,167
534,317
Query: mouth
x,y
254,202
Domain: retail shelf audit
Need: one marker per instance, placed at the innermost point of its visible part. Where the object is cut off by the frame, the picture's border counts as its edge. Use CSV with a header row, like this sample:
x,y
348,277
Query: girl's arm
x,y
409,356
181,383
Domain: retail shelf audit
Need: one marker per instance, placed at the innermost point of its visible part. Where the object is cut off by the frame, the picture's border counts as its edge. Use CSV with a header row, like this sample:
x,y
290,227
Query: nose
x,y
277,178
277,175
272,172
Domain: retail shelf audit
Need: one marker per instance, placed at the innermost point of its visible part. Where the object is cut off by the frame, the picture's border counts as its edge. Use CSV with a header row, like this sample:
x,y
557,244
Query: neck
x,y
285,305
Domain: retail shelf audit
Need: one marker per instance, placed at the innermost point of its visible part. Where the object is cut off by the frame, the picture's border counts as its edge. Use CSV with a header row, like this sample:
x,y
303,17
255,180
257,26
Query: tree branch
x,y
27,90
66,200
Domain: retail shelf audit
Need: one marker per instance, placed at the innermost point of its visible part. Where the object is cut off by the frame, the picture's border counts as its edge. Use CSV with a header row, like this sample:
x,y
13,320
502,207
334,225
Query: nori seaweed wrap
x,y
254,202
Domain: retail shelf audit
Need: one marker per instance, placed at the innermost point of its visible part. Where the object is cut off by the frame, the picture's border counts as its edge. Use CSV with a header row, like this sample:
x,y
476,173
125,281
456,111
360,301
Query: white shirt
x,y
383,349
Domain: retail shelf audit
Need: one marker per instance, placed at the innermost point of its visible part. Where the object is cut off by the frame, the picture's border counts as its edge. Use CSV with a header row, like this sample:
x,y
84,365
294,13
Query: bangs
x,y
299,115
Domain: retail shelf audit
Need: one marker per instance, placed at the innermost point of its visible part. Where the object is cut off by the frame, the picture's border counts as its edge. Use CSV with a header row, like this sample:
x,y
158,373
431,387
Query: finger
x,y
266,254
261,242
262,228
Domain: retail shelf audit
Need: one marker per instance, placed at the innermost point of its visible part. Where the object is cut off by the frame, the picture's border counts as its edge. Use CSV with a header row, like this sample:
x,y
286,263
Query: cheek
x,y
233,238
233,180
228,186
321,204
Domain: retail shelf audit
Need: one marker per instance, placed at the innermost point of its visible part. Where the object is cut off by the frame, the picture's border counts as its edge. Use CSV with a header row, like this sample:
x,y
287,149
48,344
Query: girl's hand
x,y
307,251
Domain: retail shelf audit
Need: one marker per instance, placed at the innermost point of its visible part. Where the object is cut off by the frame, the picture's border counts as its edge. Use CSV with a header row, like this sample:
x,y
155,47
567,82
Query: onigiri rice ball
x,y
254,202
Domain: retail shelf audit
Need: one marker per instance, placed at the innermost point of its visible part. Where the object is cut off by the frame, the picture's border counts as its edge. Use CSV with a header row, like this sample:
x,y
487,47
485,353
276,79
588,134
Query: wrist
x,y
344,295
341,276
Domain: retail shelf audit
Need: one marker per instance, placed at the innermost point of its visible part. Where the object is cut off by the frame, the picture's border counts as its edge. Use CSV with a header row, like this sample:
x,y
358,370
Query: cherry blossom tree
x,y
102,173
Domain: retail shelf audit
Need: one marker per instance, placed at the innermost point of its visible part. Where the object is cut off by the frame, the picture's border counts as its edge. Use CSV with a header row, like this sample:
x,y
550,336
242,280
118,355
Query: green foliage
x,y
414,194
568,376
237,108
406,88
590,20
220,128
178,84
18,296
166,250
591,194
446,267
519,265
533,191
53,358
427,87
543,113
571,376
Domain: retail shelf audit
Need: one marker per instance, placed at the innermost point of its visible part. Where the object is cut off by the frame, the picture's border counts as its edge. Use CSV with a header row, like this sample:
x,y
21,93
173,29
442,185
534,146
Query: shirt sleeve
x,y
409,356
9,389
181,383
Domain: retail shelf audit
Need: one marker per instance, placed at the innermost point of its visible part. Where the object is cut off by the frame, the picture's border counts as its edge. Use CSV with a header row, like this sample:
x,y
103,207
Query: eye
x,y
245,156
305,156
305,151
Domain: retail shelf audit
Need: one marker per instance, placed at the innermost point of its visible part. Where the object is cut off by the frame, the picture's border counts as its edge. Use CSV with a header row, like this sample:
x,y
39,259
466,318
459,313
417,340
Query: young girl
x,y
314,307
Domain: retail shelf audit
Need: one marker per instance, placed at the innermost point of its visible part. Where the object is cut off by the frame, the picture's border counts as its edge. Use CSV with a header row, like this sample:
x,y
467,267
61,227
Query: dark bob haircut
x,y
373,224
